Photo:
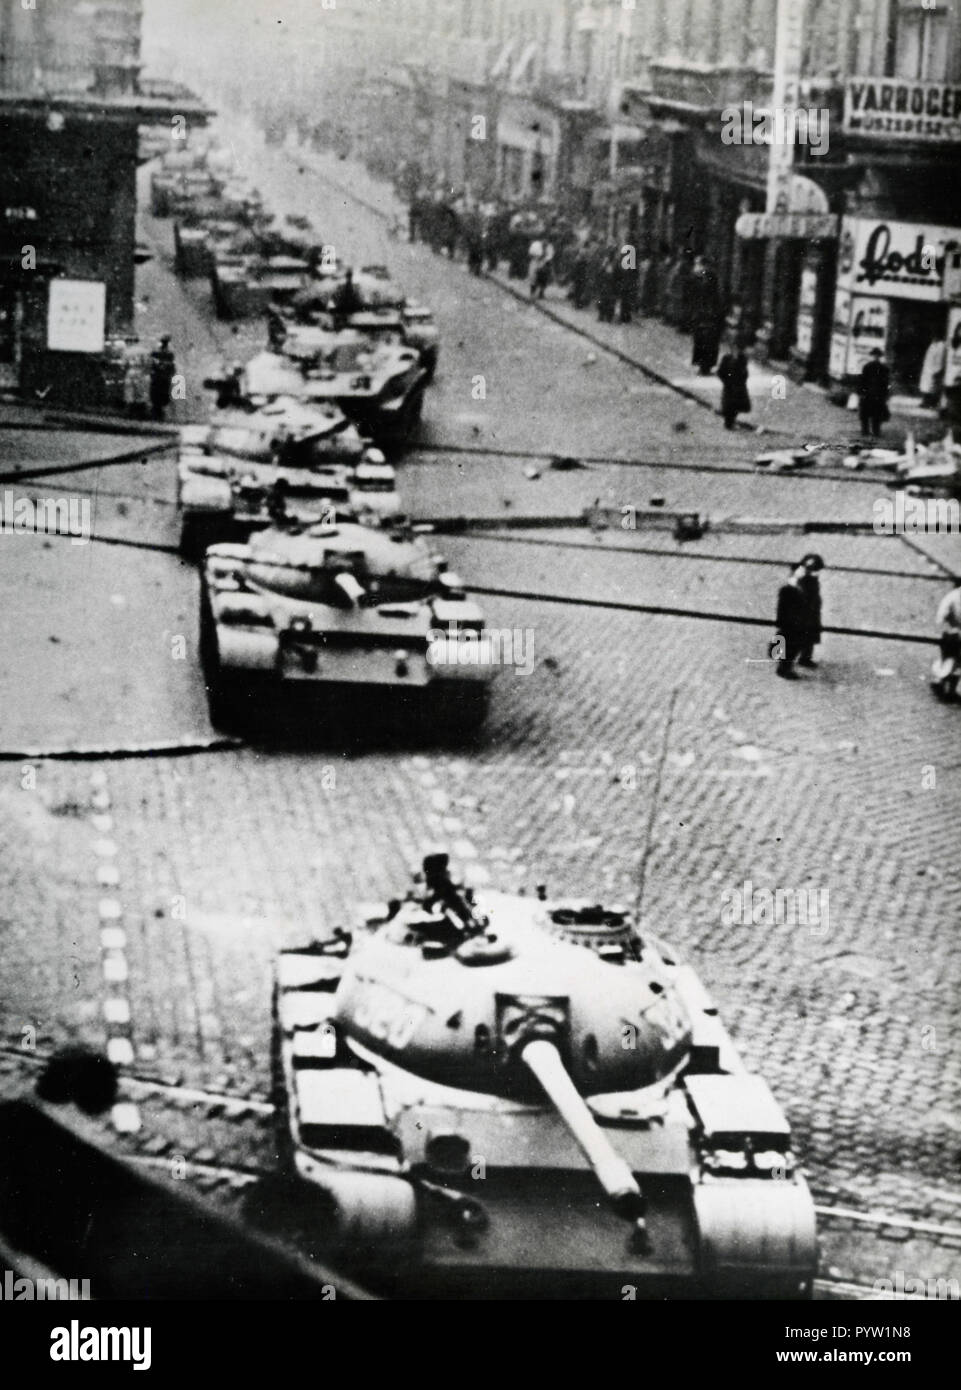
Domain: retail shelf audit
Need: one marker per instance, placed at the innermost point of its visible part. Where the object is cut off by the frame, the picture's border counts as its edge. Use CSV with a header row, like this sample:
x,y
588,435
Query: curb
x,y
115,752
113,461
87,424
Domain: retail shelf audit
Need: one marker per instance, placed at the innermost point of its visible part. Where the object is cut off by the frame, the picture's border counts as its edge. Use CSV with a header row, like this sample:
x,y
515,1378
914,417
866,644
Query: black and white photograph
x,y
480,613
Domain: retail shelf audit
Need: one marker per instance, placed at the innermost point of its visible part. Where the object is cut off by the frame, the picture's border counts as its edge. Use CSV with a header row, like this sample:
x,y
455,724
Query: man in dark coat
x,y
873,386
163,368
810,587
732,369
345,301
607,285
791,620
706,317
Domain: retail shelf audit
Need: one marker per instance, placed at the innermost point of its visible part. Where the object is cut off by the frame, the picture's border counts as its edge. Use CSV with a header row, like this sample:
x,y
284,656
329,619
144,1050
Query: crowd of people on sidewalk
x,y
618,278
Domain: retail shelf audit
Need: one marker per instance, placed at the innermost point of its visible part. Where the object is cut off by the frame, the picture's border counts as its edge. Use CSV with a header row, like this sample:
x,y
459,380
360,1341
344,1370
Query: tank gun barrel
x,y
543,1059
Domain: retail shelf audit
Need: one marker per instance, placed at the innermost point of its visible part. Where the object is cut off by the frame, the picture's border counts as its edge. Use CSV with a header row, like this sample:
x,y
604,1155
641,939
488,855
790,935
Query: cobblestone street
x,y
145,897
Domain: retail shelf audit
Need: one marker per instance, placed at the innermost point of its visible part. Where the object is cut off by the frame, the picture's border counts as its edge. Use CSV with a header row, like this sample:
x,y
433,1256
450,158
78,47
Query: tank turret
x,y
506,1063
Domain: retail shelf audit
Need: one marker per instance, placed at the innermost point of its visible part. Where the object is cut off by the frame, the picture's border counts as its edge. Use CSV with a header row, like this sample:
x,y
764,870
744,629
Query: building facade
x,y
70,114
618,111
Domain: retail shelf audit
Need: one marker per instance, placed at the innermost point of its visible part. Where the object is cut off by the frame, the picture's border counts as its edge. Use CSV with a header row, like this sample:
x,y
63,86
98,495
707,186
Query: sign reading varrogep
x,y
895,109
76,315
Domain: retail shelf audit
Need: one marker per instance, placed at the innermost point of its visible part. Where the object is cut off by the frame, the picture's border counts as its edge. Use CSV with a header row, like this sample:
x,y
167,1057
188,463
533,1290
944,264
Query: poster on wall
x,y
868,330
76,315
804,337
839,334
952,356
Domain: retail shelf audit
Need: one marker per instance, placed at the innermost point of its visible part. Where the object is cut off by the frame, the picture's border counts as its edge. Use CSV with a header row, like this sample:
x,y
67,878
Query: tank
x,y
245,285
330,613
385,309
505,1094
306,463
377,383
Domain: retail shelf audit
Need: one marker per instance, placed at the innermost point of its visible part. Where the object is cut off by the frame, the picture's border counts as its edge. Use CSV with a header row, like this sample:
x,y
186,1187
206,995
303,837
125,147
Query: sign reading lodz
x,y
891,107
901,260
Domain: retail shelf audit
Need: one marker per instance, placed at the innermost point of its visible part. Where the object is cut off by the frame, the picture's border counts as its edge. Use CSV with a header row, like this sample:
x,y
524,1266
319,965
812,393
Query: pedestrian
x,y
791,622
735,400
810,586
706,318
542,268
626,287
874,384
163,368
345,301
580,276
535,258
230,389
607,286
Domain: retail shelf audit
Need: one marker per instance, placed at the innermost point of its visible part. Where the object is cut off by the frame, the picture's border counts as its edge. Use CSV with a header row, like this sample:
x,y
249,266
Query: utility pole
x,y
785,98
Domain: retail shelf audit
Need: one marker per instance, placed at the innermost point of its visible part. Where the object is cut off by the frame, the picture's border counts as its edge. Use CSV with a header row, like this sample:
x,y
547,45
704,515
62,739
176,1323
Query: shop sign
x,y
786,96
901,260
799,226
807,303
860,325
869,330
76,314
899,110
804,337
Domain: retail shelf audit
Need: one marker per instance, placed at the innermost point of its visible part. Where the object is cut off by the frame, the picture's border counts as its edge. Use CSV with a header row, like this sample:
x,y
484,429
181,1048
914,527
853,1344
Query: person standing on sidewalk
x,y
735,400
791,621
706,318
163,368
810,587
873,386
607,286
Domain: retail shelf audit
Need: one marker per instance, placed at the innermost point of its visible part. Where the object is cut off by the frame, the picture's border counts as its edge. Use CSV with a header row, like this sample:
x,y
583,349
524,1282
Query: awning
x,y
624,134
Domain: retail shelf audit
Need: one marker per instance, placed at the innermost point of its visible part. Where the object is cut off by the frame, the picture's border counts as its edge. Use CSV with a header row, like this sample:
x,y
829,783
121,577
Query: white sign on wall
x,y
869,330
839,334
76,315
901,260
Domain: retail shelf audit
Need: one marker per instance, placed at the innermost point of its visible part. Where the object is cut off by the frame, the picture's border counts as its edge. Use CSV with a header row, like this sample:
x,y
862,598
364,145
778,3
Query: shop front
x,y
528,138
891,294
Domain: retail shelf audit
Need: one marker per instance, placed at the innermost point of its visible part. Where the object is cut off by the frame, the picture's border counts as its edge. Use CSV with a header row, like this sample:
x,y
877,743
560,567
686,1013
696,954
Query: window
x,y
921,51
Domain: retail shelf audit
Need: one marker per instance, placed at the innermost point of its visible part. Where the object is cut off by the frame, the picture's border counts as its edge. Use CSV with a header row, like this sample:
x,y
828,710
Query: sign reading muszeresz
x,y
894,108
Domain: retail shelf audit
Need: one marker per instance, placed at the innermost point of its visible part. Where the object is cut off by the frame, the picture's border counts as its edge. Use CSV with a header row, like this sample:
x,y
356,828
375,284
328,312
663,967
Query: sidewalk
x,y
804,415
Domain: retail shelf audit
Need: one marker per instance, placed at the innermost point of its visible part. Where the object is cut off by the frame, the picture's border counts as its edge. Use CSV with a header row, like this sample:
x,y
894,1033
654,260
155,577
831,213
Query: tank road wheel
x,y
221,704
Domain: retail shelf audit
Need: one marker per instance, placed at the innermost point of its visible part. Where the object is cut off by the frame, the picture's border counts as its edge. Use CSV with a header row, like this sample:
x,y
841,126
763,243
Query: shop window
x,y
921,51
